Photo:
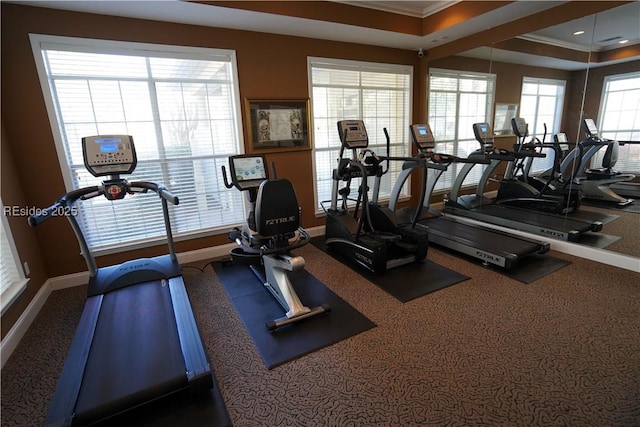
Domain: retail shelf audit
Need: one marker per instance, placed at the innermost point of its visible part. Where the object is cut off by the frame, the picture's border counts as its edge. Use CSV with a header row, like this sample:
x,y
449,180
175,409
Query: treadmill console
x,y
247,171
590,128
353,134
423,137
519,126
109,154
483,134
561,138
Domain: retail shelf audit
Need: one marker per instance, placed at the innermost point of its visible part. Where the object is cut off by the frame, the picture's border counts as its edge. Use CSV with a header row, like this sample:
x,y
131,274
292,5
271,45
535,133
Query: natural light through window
x,y
181,107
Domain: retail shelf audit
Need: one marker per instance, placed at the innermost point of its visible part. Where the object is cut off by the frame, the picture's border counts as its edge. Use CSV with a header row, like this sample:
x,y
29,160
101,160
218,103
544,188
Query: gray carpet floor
x,y
563,350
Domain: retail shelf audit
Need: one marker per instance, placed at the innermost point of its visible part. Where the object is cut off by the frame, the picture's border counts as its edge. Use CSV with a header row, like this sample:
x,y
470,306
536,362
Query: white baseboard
x,y
15,334
13,337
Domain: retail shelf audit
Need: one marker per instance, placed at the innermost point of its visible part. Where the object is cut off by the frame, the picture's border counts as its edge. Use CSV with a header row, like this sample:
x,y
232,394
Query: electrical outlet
x,y
26,268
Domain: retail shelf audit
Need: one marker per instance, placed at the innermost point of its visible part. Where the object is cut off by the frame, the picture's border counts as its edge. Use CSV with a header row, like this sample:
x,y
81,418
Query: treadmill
x,y
479,207
137,341
490,246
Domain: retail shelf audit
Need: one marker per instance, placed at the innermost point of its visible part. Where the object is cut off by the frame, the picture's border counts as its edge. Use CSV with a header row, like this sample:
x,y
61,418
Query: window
x,y
457,100
620,118
11,274
378,94
541,104
180,104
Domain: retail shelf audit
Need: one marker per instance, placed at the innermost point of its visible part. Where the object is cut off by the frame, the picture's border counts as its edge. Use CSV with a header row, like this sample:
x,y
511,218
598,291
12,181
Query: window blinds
x,y
378,94
181,107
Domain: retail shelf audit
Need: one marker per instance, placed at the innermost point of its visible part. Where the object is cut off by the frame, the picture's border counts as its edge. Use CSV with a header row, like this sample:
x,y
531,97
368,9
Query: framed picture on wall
x,y
278,124
503,116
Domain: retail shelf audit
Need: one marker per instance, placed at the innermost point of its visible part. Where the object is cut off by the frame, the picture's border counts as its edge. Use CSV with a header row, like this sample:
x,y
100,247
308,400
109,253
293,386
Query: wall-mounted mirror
x,y
559,76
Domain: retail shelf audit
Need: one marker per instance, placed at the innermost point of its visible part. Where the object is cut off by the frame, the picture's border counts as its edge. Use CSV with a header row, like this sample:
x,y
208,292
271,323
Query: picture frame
x,y
502,118
278,125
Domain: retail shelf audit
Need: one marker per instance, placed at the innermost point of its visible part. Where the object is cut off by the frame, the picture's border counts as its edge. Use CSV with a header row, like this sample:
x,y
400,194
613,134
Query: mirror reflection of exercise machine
x,y
482,208
488,245
137,340
372,235
549,185
271,231
597,183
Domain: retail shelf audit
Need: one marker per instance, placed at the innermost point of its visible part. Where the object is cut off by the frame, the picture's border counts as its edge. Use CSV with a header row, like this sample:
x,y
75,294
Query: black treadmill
x,y
137,341
481,208
490,246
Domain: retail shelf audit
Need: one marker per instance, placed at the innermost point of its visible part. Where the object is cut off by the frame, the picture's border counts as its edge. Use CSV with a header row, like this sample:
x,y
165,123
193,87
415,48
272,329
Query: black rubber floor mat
x,y
256,306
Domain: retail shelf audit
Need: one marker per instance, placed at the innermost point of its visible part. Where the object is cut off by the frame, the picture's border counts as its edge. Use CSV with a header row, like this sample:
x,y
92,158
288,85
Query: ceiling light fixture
x,y
577,33
623,41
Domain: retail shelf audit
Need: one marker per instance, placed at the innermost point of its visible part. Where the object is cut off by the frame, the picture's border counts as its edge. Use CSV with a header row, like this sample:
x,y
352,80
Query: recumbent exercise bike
x,y
271,231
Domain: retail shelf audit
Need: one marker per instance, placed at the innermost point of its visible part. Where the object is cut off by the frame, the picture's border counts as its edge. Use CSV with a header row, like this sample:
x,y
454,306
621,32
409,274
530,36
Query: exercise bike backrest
x,y
274,206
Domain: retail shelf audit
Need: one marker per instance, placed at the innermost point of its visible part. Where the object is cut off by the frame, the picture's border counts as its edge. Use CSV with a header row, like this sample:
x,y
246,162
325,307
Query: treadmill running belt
x,y
135,356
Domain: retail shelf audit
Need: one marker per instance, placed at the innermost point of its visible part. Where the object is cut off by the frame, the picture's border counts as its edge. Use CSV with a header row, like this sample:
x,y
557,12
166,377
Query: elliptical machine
x,y
271,231
373,236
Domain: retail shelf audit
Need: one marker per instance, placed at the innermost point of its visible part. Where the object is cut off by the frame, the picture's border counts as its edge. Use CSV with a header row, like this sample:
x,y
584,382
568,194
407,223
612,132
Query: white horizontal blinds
x,y
620,118
181,109
378,94
541,103
12,280
457,100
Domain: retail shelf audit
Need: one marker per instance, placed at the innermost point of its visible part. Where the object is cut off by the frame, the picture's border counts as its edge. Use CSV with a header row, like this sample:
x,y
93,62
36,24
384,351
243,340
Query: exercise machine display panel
x,y
109,154
561,138
590,128
353,134
519,126
248,172
483,132
423,137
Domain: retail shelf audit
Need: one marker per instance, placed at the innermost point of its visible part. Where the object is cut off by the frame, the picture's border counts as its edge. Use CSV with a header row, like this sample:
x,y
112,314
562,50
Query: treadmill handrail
x,y
70,198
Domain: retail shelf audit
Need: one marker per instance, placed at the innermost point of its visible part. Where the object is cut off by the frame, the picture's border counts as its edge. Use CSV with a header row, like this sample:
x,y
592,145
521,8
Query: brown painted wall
x,y
269,66
23,235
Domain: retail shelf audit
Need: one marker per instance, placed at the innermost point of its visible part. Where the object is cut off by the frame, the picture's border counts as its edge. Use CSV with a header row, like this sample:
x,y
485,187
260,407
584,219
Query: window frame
x,y
13,266
543,164
397,141
40,42
612,134
453,170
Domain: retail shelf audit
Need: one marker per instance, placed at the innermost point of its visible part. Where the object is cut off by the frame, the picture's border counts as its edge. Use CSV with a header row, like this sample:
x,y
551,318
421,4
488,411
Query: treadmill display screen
x,y
108,148
591,128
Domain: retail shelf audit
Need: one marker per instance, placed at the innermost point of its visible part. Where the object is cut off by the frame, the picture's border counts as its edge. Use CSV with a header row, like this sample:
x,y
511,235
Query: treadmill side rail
x,y
62,407
198,368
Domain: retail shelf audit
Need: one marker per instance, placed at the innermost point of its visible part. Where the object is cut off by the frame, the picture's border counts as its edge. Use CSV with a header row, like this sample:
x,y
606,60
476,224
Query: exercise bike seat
x,y
277,211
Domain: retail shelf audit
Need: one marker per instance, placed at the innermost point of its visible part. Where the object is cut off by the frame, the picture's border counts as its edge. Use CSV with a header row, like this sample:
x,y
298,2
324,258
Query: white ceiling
x,y
621,22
